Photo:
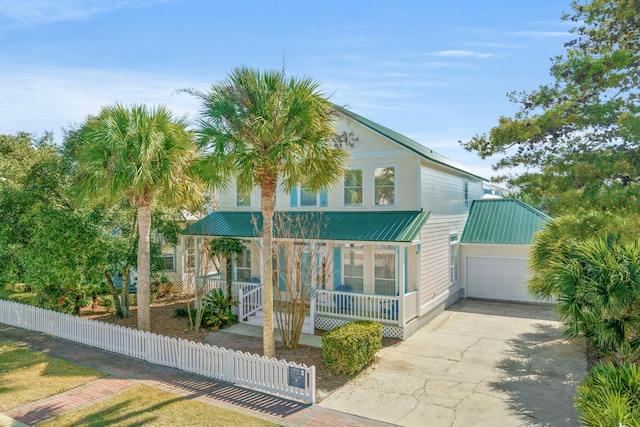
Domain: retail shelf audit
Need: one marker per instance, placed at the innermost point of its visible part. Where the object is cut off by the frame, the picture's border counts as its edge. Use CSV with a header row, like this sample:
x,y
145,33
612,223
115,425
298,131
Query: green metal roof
x,y
379,226
502,221
409,143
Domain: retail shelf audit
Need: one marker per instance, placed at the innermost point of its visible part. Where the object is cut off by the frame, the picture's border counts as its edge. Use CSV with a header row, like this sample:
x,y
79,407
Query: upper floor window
x,y
308,197
302,196
465,190
385,186
243,199
353,187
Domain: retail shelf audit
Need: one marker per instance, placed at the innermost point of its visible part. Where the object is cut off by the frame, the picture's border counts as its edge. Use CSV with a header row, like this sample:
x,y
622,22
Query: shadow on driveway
x,y
541,376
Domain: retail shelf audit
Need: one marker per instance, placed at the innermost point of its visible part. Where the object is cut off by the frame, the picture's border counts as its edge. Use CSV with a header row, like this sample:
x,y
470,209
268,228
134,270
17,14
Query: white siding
x,y
443,190
434,255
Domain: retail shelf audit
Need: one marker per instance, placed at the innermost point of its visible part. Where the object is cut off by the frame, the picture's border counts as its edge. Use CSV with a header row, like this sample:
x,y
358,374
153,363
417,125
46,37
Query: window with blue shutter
x,y
294,197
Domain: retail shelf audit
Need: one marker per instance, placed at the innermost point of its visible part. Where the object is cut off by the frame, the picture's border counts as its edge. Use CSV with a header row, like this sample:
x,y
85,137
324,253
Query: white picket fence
x,y
277,377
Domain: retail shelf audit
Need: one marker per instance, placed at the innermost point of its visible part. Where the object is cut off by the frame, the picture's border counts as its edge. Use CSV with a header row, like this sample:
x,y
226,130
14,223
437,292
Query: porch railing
x,y
250,301
215,281
351,305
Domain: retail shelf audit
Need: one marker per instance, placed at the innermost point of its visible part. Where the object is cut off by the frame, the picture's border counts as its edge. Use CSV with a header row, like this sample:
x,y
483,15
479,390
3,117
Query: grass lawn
x,y
27,376
144,405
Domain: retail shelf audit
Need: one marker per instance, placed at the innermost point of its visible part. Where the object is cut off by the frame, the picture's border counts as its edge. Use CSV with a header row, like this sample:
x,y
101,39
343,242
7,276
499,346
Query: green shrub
x,y
106,301
608,396
348,348
217,310
28,298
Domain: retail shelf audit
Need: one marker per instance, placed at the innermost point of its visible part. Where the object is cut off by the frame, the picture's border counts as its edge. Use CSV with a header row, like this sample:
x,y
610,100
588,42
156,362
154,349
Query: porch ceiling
x,y
387,226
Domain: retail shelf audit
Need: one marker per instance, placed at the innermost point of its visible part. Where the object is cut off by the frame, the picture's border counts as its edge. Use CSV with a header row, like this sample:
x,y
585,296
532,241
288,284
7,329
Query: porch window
x,y
353,267
243,265
168,260
385,276
385,186
453,257
353,188
190,253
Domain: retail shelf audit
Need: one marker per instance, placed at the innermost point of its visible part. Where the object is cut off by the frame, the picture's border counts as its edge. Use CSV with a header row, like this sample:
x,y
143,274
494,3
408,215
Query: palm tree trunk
x,y
267,205
144,267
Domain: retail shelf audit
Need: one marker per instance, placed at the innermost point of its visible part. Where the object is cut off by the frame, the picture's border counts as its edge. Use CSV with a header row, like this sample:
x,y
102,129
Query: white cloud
x,y
49,98
33,12
541,34
462,54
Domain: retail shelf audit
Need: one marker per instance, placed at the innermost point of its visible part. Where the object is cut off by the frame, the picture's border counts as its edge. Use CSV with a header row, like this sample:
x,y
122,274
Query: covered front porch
x,y
327,307
362,266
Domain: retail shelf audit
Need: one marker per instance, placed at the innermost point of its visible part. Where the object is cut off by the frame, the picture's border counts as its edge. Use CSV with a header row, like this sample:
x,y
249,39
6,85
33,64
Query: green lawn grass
x,y
144,405
27,376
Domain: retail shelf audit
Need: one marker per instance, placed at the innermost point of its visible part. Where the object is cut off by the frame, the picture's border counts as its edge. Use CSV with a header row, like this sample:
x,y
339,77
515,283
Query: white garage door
x,y
497,278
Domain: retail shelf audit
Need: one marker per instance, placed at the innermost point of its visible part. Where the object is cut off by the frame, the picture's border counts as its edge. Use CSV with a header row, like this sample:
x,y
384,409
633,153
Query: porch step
x,y
257,319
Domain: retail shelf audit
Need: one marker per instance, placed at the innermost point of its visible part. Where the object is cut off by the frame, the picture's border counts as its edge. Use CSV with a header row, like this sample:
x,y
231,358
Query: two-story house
x,y
391,232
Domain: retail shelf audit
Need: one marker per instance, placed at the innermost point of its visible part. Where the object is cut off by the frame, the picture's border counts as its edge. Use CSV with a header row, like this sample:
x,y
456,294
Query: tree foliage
x,y
141,155
46,241
579,137
591,266
263,128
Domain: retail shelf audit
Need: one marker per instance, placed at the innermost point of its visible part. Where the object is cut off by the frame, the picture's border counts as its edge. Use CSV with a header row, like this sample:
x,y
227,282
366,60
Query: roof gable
x,y
409,143
387,226
502,221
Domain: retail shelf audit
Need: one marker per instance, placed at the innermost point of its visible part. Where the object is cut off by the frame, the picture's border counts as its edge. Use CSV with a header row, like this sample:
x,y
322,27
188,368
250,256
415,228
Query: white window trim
x,y
465,193
395,185
454,267
172,254
236,199
300,205
380,250
362,203
356,248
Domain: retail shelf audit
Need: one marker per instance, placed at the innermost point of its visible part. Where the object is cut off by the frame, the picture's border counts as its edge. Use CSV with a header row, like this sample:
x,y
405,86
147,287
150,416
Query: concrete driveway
x,y
479,363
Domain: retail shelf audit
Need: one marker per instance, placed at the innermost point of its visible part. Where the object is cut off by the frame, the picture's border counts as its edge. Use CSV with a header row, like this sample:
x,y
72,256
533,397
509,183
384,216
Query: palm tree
x,y
265,127
144,155
227,248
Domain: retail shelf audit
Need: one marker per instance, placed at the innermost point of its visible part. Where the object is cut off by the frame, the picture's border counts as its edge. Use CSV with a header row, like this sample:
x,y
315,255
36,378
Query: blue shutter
x,y
294,197
324,198
337,267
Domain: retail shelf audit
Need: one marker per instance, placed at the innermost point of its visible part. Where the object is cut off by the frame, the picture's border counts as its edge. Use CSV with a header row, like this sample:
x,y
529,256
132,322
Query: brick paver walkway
x,y
125,372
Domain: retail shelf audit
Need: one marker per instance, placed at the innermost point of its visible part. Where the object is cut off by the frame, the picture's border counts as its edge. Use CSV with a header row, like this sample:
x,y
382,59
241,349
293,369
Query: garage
x,y
497,278
495,247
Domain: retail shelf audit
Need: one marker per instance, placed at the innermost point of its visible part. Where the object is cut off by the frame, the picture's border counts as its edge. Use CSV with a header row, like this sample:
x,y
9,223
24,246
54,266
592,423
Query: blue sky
x,y
436,71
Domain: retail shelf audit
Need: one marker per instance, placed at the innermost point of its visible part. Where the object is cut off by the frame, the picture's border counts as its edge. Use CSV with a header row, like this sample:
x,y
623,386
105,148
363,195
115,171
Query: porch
x,y
327,307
